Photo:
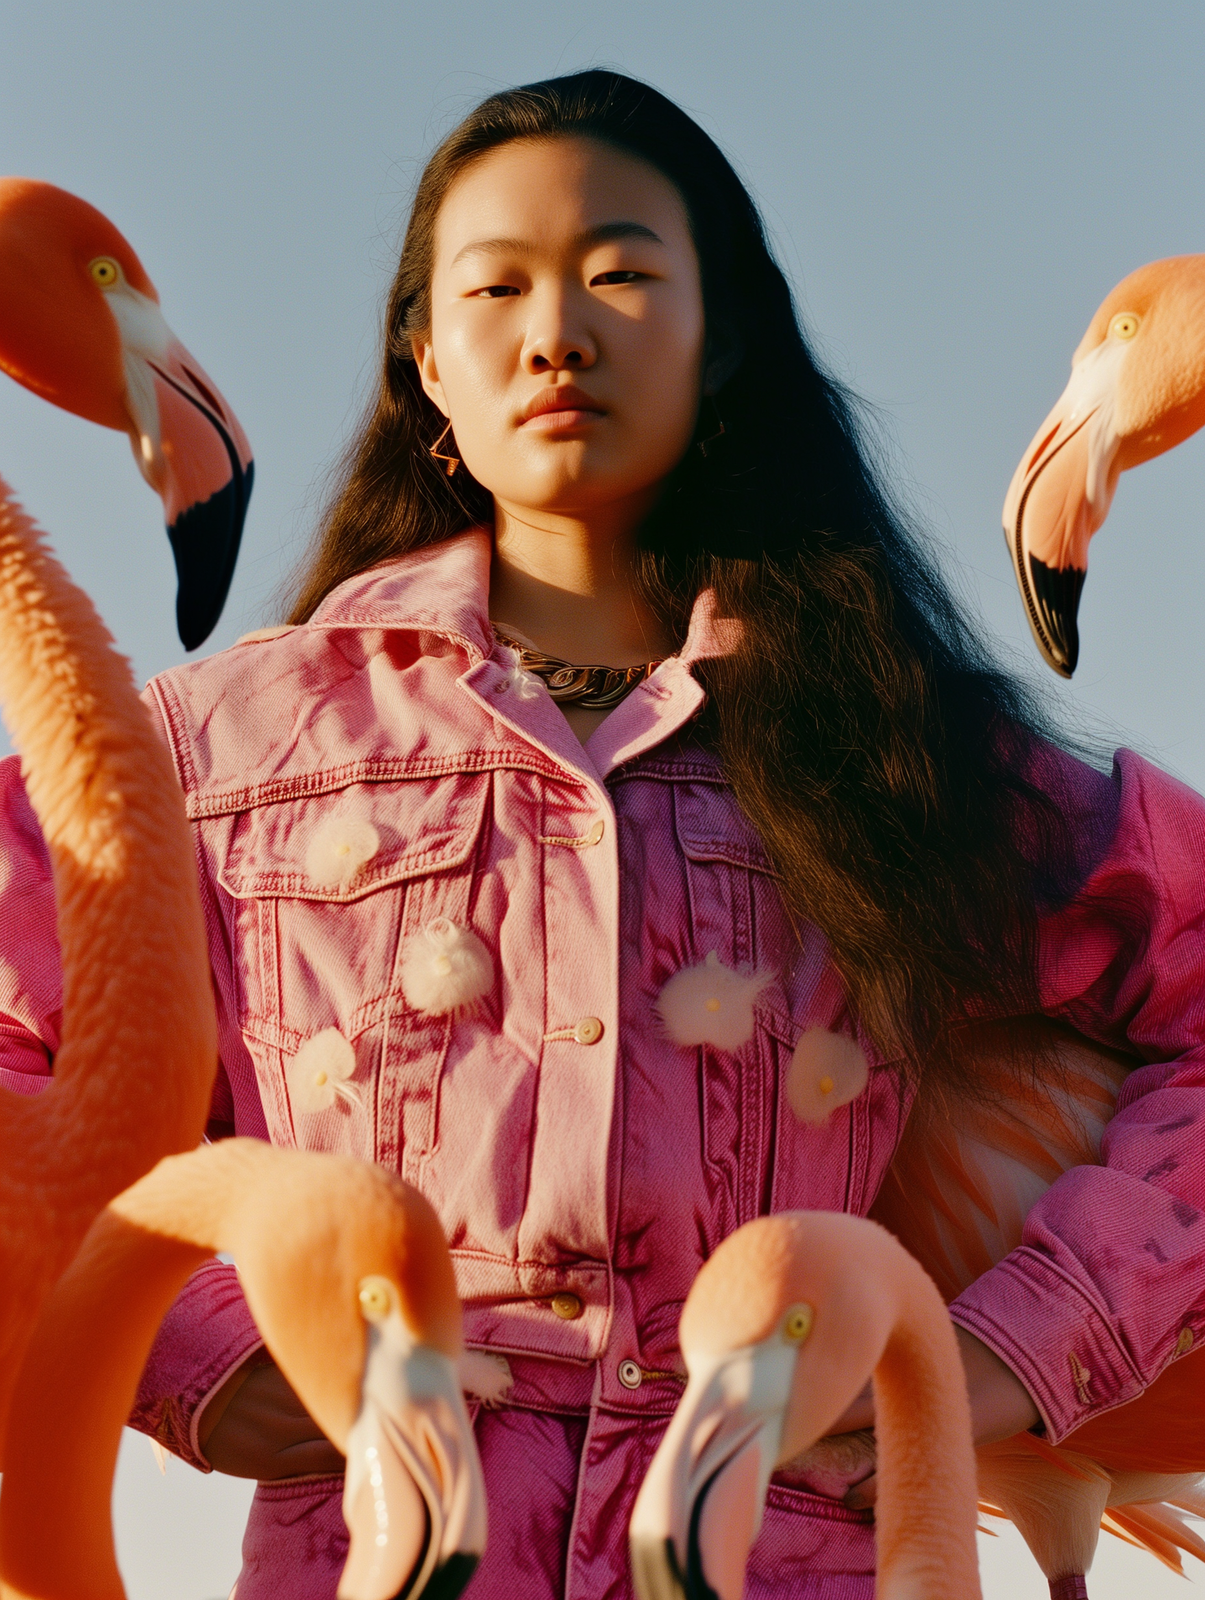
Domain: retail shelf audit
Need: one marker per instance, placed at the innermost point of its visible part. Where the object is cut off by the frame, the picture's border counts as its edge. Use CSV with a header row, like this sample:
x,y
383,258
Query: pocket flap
x,y
712,827
345,845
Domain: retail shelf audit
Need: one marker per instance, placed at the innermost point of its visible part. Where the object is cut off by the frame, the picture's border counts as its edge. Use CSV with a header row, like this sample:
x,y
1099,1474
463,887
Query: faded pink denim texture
x,y
610,1169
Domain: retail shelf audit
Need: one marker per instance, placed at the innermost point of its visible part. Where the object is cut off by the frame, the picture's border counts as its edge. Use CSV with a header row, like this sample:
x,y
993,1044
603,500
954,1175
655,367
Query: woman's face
x,y
566,340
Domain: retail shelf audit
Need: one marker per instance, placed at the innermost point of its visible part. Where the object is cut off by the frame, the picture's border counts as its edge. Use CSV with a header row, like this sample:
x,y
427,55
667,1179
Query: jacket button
x,y
630,1374
588,1031
1184,1342
596,832
567,1306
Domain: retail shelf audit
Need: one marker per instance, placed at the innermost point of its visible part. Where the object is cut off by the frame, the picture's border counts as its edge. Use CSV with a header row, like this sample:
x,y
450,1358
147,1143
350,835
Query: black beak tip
x,y
695,1584
205,543
449,1581
1056,597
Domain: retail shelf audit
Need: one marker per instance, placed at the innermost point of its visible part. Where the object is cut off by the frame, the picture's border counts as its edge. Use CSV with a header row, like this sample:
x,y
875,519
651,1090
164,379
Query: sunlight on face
x,y
567,333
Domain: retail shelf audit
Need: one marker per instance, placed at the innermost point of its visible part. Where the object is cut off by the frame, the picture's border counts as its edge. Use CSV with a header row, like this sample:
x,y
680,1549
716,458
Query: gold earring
x,y
452,461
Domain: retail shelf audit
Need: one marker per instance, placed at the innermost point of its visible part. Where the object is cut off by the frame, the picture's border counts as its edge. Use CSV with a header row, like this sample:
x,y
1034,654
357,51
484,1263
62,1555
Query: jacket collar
x,y
444,590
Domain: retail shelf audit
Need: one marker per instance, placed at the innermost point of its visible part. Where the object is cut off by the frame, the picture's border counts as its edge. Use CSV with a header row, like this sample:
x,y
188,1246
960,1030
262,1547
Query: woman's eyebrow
x,y
602,234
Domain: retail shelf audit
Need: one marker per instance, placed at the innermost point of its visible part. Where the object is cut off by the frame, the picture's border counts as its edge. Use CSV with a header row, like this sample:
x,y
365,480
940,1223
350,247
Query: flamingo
x,y
132,1080
135,1069
780,1330
346,1267
80,325
347,1274
1059,1499
1137,389
956,1195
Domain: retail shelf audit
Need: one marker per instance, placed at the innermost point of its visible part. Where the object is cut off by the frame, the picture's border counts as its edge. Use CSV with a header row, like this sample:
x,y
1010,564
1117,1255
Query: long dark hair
x,y
883,757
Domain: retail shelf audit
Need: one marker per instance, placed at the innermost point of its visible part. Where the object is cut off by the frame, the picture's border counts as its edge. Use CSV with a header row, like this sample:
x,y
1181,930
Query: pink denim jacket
x,y
384,771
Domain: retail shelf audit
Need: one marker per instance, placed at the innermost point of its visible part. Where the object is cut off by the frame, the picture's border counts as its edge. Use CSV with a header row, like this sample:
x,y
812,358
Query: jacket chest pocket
x,y
732,892
763,1153
734,909
329,895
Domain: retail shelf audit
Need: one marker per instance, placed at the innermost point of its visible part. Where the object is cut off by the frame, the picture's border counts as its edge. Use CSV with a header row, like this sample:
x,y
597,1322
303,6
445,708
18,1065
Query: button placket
x,y
577,838
586,1030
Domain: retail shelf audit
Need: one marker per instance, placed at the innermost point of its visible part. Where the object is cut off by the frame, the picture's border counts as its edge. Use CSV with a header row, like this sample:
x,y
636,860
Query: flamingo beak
x,y
700,1506
191,449
1059,496
414,1496
99,347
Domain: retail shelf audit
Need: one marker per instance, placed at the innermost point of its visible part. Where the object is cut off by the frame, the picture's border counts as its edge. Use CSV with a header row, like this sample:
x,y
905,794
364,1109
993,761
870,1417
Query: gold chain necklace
x,y
592,688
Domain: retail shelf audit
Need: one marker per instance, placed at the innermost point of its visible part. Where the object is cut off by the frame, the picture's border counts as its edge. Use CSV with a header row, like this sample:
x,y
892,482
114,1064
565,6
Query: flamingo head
x,y
1137,388
779,1336
368,1334
80,325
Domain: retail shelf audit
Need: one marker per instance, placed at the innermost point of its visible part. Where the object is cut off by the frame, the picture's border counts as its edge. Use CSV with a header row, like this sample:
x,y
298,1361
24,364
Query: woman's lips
x,y
561,408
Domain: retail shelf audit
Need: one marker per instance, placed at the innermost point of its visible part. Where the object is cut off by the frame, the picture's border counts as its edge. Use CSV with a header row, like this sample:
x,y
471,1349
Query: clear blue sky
x,y
952,187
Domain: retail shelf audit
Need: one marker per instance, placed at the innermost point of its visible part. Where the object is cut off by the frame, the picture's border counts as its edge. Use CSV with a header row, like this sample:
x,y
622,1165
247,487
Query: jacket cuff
x,y
1057,1339
207,1333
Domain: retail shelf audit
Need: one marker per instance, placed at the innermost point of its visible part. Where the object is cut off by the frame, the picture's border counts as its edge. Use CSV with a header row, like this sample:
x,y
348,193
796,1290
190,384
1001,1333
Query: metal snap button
x,y
630,1374
596,832
589,1030
1184,1342
567,1306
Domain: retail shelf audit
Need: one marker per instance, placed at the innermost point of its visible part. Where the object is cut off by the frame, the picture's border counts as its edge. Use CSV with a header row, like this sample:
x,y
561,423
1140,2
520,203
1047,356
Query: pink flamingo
x,y
139,1049
346,1267
779,1332
956,1195
1137,389
80,325
349,1278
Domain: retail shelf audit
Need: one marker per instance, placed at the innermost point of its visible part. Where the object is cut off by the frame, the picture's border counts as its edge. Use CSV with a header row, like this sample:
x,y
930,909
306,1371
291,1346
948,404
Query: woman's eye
x,y
495,291
624,276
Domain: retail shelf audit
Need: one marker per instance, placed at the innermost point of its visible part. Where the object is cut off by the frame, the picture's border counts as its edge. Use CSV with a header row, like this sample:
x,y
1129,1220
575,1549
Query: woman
x,y
546,937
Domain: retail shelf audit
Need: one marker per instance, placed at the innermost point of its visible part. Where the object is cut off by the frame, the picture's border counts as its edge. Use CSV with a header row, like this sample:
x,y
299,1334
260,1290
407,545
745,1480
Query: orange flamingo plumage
x,y
956,1195
345,1266
780,1331
1137,389
80,325
139,1050
349,1278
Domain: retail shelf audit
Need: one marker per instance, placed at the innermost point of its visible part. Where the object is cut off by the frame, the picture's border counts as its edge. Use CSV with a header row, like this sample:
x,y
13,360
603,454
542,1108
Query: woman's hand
x,y
1000,1407
256,1427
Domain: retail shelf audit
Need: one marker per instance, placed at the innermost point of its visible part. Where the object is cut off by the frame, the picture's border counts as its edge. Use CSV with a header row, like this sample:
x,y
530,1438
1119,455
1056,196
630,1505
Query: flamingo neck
x,y
926,1514
75,1392
133,1073
1073,1587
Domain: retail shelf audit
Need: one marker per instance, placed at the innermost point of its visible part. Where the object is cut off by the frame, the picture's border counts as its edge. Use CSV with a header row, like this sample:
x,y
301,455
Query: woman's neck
x,y
568,584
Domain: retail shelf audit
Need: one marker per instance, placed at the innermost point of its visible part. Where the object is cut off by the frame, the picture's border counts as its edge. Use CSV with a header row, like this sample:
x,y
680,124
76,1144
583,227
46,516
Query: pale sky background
x,y
953,188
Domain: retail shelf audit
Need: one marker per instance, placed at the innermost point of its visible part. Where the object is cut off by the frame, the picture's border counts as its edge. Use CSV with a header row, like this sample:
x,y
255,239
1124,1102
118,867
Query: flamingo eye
x,y
377,1298
1124,325
105,271
797,1324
